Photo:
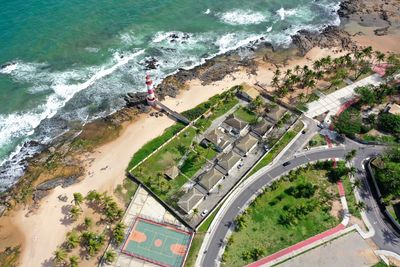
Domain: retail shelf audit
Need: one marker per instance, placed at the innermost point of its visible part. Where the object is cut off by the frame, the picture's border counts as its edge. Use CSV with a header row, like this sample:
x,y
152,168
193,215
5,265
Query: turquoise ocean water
x,y
71,61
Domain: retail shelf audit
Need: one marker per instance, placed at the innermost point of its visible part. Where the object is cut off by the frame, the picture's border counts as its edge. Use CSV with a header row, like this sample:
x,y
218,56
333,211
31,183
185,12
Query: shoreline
x,y
116,153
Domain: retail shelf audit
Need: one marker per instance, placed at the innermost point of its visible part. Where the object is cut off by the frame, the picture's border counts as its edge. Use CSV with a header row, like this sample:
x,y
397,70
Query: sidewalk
x,y
334,101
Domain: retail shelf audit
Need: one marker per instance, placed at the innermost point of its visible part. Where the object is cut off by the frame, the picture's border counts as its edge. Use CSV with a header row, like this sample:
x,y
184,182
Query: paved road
x,y
385,236
211,256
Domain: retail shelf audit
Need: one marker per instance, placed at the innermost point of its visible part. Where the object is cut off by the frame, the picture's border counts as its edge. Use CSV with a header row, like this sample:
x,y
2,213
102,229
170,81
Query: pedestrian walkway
x,y
333,102
298,246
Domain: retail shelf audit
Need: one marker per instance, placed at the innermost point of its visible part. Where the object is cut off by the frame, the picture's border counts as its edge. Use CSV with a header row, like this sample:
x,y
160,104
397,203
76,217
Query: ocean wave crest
x,y
242,17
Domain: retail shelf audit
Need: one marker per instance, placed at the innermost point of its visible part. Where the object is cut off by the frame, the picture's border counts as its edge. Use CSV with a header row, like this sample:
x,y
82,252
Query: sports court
x,y
157,243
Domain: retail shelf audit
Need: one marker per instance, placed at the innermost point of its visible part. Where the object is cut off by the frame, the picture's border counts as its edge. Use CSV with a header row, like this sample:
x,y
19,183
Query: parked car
x,y
240,165
286,163
204,213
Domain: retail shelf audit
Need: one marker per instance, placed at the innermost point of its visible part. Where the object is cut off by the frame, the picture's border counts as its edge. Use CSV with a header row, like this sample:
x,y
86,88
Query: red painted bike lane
x,y
322,235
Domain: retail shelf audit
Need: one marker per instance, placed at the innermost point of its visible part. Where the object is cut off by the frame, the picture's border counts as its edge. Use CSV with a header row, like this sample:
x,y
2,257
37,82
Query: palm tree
x,y
219,187
93,195
356,184
109,256
72,240
75,212
360,205
78,199
380,57
88,222
195,212
73,261
297,69
60,256
118,233
349,156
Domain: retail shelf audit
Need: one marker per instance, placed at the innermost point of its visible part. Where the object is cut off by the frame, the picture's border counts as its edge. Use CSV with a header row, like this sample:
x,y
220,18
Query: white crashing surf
x,y
242,17
283,13
208,11
22,124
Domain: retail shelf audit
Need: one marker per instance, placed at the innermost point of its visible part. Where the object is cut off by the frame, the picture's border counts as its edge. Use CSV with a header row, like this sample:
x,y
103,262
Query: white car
x,y
204,213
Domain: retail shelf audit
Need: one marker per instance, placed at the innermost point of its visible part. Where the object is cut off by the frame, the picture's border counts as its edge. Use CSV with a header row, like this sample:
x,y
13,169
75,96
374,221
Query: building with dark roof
x,y
235,126
262,128
221,141
246,144
226,162
276,113
190,200
210,179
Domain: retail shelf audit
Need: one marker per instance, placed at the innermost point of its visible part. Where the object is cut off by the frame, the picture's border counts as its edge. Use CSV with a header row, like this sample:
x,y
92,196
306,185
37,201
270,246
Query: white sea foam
x,y
283,13
232,41
208,11
242,17
22,124
269,29
9,68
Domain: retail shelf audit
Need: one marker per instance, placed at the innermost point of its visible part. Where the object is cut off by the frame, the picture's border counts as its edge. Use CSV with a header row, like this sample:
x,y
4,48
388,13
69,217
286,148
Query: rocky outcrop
x,y
381,31
329,37
61,181
350,7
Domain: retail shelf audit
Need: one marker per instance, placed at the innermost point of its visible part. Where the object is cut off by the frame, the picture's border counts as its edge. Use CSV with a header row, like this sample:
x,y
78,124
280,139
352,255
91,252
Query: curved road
x,y
386,237
211,256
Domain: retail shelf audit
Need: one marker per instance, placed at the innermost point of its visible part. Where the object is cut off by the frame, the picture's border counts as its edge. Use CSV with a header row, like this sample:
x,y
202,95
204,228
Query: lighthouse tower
x,y
151,99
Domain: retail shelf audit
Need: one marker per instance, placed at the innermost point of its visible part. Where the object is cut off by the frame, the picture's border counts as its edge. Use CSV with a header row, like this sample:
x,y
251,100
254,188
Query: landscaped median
x,y
292,209
277,148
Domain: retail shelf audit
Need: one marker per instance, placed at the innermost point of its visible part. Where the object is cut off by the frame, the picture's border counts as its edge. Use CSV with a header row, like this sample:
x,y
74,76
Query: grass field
x,y
277,148
317,140
283,215
196,160
151,172
245,115
351,199
219,109
149,147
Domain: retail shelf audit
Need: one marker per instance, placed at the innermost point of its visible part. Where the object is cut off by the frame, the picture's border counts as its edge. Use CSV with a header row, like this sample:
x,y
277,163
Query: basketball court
x,y
157,243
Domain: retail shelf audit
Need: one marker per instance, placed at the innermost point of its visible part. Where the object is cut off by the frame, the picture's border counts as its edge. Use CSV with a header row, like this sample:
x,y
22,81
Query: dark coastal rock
x,y
349,7
150,63
331,36
135,99
382,31
63,181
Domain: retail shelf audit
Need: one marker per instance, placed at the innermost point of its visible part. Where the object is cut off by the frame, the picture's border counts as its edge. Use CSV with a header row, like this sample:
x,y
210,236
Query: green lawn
x,y
351,199
388,139
277,148
149,147
392,212
245,114
196,160
283,215
317,140
151,172
220,109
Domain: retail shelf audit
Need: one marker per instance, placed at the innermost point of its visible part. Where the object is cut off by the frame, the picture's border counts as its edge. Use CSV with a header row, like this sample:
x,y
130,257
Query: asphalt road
x,y
386,238
211,255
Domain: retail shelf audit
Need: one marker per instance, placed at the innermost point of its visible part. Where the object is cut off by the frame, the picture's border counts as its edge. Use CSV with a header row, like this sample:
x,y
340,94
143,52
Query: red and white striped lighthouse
x,y
151,99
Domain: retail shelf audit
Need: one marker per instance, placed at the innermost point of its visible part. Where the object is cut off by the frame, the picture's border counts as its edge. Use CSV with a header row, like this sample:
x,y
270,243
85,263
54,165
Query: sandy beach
x,y
41,232
105,167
